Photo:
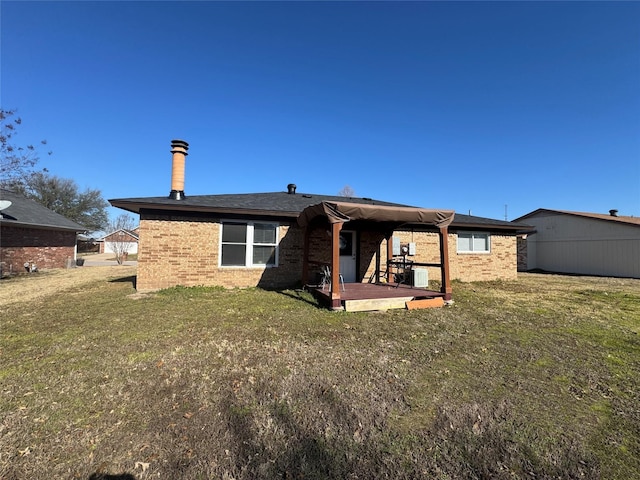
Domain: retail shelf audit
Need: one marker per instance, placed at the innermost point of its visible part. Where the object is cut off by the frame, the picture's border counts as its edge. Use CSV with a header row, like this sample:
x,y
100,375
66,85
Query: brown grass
x,y
25,288
537,378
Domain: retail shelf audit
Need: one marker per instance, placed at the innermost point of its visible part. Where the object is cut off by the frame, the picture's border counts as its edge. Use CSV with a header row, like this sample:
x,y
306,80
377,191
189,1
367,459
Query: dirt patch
x,y
28,287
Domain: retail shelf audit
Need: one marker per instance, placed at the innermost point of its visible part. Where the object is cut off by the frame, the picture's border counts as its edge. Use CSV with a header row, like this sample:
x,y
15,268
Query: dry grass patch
x,y
25,288
209,383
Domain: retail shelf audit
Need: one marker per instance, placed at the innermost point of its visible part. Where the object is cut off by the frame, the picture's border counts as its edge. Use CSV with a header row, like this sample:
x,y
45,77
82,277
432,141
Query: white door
x,y
348,255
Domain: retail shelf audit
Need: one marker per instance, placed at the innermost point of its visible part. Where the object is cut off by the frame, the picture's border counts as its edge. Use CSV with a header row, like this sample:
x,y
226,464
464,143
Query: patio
x,y
357,297
329,219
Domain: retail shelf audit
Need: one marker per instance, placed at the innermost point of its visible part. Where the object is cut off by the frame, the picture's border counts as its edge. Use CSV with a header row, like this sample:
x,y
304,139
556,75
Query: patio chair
x,y
326,278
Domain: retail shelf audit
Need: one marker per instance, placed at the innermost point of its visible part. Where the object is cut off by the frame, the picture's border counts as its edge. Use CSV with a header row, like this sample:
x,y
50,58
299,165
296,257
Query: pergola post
x,y
444,261
336,302
389,238
378,262
305,256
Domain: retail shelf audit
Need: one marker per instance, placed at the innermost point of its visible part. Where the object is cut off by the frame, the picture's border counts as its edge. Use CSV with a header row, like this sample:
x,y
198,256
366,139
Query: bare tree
x,y
17,163
119,237
347,191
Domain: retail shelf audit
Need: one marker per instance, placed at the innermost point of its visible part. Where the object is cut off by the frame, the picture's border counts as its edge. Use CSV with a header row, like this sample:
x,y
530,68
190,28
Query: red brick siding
x,y
120,237
45,248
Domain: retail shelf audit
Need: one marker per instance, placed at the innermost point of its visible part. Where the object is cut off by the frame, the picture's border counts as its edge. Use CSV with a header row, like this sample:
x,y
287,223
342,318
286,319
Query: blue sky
x,y
488,107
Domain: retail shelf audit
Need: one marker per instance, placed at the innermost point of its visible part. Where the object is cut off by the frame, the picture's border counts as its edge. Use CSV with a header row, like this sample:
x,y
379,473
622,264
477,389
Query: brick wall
x,y
184,250
45,248
501,263
120,236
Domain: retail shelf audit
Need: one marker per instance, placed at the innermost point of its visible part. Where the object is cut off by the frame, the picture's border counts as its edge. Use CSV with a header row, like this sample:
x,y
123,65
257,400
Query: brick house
x,y
32,234
279,239
127,238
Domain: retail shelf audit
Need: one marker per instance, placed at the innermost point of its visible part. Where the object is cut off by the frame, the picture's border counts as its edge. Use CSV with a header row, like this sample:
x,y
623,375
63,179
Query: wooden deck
x,y
382,296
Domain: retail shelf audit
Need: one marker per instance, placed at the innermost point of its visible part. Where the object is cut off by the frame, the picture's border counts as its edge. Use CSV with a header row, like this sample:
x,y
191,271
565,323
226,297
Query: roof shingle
x,y
26,212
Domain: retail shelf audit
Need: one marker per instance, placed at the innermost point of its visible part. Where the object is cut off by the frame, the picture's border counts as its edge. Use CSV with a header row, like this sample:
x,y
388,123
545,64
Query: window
x,y
474,242
249,244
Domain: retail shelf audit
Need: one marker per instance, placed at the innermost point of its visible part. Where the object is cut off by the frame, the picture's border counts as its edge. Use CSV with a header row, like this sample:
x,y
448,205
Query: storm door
x,y
348,255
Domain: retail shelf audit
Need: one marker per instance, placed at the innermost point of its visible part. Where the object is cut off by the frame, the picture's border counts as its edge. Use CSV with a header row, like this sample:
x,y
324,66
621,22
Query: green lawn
x,y
530,379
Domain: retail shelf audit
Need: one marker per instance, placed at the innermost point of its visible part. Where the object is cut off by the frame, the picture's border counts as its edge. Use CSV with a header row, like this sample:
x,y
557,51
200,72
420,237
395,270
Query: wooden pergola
x,y
387,218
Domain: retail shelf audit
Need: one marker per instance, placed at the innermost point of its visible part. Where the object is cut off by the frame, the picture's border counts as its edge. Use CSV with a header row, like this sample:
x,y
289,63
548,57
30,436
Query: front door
x,y
348,255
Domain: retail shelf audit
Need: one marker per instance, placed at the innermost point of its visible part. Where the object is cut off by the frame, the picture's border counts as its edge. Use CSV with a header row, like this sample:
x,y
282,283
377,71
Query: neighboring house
x,y
281,239
127,239
583,243
32,234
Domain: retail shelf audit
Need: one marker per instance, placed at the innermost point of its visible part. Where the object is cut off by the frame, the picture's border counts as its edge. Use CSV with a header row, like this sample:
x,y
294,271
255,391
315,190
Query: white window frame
x,y
248,262
473,235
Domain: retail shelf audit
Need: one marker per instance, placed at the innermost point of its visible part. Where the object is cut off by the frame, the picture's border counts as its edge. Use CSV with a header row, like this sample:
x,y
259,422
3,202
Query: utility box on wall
x,y
395,247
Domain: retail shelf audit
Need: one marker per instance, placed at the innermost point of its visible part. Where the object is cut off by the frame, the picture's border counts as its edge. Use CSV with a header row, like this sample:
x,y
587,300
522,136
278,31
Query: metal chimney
x,y
291,188
613,212
179,150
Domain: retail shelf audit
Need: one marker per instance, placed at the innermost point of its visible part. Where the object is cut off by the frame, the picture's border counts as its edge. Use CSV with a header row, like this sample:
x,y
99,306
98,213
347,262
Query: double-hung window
x,y
249,244
474,242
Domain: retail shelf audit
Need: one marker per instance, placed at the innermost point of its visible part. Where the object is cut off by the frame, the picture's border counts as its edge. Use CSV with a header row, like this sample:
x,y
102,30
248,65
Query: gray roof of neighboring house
x,y
635,221
281,204
471,222
29,213
131,233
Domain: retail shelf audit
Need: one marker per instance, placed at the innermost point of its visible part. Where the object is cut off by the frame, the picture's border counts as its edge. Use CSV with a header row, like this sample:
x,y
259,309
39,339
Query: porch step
x,y
425,303
376,304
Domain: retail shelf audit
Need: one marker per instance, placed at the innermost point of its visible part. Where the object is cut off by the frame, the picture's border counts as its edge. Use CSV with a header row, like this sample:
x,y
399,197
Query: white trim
x,y
248,263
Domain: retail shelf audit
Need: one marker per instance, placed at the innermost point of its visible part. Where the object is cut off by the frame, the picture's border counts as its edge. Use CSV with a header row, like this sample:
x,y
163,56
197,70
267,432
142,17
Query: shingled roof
x,y
282,204
29,213
635,221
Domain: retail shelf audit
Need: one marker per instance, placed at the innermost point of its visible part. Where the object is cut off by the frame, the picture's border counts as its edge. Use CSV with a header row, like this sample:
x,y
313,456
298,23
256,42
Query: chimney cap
x,y
179,144
613,212
291,188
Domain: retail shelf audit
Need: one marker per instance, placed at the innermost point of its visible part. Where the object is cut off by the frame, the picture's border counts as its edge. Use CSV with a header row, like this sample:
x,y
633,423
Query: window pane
x,y
264,233
234,232
480,243
264,255
464,242
234,255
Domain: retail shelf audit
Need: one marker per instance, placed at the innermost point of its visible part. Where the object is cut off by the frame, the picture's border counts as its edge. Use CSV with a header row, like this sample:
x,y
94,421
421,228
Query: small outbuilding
x,y
582,243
